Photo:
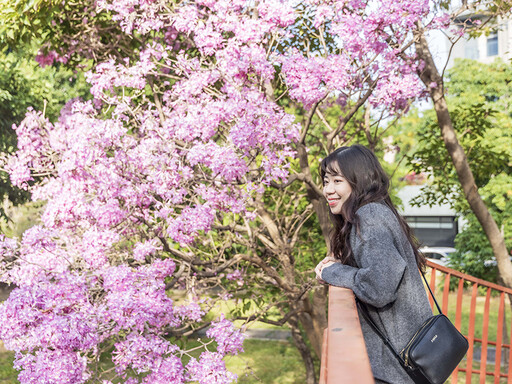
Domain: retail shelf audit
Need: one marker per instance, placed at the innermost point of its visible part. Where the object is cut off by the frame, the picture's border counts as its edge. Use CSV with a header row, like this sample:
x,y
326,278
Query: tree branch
x,y
349,115
308,120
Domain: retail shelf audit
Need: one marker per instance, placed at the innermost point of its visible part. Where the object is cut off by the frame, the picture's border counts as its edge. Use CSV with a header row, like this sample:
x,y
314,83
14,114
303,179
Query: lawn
x,y
7,373
268,362
263,362
478,324
461,378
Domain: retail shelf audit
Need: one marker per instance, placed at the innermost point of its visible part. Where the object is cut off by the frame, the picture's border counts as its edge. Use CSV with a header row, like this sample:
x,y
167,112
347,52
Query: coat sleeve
x,y
381,269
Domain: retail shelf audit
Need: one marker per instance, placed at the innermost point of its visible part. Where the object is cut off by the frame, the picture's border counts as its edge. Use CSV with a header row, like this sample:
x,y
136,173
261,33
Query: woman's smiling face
x,y
336,190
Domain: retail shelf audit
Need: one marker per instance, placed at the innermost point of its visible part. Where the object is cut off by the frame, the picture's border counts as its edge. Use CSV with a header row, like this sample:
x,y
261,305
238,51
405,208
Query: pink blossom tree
x,y
189,156
170,141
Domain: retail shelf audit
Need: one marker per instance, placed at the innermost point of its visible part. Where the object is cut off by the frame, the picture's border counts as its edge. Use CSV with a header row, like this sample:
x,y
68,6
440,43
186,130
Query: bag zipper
x,y
404,353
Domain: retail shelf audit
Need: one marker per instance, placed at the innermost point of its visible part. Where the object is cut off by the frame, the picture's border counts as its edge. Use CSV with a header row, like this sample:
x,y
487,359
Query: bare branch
x,y
353,110
300,177
308,120
322,118
271,272
295,236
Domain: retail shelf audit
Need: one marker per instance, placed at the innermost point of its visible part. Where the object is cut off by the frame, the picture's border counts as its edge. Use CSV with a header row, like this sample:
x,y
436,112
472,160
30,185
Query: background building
x,y
434,226
486,47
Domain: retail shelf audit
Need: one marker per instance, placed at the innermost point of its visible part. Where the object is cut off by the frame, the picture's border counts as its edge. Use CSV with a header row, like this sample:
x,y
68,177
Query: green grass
x,y
475,378
478,323
263,362
226,307
8,375
268,362
479,315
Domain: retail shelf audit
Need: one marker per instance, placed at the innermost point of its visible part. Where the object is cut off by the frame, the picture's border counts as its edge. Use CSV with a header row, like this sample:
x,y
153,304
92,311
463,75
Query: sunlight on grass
x,y
268,362
475,378
262,362
226,307
8,375
492,329
479,310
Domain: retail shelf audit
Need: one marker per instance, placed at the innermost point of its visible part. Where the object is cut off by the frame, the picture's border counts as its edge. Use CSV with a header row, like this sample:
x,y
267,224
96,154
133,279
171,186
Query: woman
x,y
374,255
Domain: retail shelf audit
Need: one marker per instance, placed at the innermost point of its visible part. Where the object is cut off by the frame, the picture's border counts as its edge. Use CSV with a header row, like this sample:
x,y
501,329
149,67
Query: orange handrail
x,y
344,356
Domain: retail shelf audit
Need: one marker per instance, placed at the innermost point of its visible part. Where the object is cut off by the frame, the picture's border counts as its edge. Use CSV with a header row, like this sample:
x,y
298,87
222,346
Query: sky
x,y
439,47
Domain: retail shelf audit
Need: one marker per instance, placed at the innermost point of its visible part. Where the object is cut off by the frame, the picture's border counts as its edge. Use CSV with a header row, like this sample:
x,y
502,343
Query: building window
x,y
471,49
434,231
492,45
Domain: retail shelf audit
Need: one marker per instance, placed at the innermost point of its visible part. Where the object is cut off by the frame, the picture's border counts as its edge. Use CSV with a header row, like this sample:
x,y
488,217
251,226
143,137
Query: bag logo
x,y
433,339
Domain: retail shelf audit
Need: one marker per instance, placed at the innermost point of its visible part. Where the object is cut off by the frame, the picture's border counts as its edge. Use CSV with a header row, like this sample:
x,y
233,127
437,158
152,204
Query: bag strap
x,y
387,342
366,314
430,290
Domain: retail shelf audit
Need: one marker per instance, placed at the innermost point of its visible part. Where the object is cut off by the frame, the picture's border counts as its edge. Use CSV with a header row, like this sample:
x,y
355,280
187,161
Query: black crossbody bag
x,y
433,352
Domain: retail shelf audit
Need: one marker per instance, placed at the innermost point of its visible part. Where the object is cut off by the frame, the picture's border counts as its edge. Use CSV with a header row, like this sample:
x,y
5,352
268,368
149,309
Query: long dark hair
x,y
370,184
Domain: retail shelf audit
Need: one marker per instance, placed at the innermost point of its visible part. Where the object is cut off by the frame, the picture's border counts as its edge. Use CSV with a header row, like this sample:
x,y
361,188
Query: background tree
x,y
479,98
171,140
24,84
434,82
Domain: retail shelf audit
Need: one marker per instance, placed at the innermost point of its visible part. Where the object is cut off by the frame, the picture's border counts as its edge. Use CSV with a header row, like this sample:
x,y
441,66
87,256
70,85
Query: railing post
x,y
323,363
499,345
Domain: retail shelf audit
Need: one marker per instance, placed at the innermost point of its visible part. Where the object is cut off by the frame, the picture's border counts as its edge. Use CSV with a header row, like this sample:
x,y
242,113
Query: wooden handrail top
x,y
347,359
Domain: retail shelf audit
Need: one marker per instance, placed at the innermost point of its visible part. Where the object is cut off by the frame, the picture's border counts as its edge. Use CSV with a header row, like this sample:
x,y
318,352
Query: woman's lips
x,y
333,202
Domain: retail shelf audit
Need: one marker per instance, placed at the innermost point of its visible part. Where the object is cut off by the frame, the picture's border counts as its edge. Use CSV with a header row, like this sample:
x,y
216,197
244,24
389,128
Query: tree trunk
x,y
317,200
304,352
314,319
434,82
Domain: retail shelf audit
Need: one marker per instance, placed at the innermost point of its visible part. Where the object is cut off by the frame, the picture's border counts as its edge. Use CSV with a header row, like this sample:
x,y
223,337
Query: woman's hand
x,y
326,262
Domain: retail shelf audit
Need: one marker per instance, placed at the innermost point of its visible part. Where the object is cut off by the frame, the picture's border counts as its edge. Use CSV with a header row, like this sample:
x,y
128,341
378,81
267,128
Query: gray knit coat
x,y
388,281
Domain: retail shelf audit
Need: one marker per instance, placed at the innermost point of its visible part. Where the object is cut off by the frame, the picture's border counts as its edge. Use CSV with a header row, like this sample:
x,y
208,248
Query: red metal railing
x,y
478,291
344,358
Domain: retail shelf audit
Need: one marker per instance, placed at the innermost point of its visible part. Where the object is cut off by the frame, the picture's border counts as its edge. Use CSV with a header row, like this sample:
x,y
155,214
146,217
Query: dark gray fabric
x,y
388,280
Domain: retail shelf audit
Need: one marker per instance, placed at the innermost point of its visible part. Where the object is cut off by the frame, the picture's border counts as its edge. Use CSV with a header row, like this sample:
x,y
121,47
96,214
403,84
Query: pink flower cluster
x,y
8,248
49,58
110,75
371,39
52,366
144,249
237,275
58,325
312,79
160,170
134,15
229,340
210,369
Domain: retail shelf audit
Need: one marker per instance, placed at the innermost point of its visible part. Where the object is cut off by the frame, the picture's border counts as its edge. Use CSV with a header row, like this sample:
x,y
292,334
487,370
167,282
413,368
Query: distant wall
x,y
434,226
434,231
